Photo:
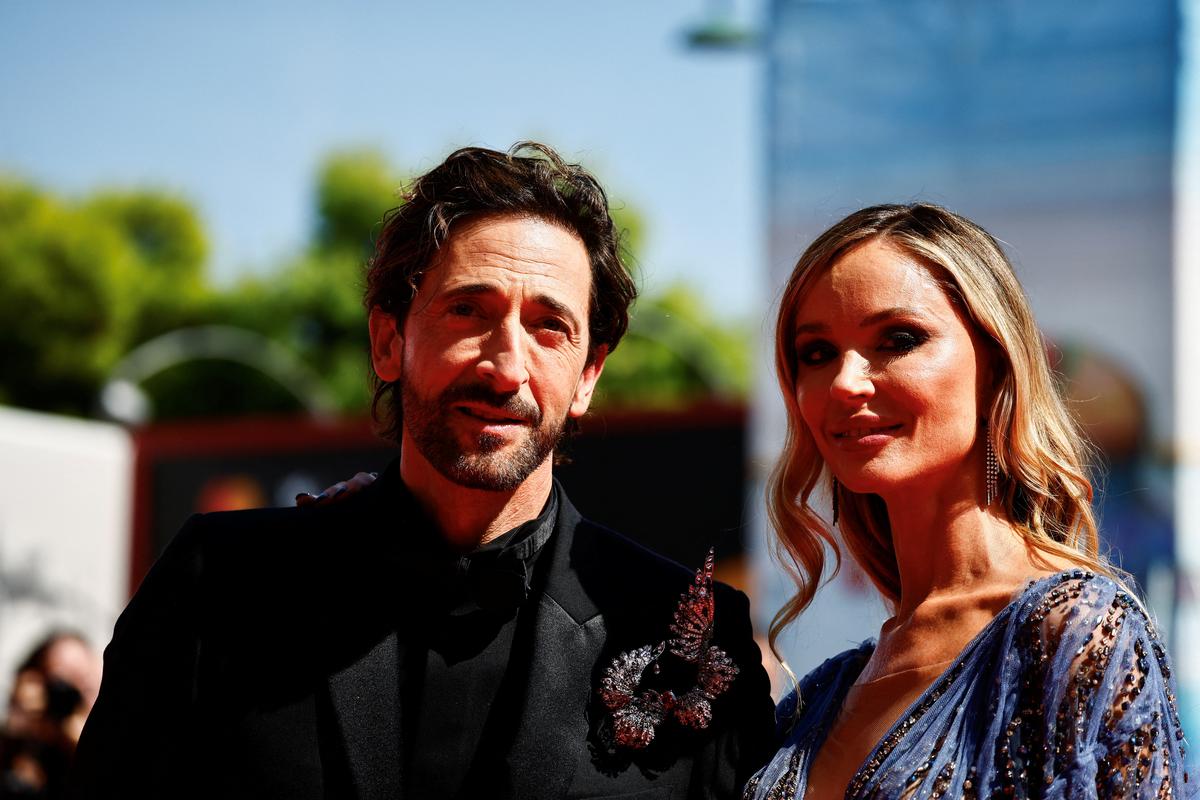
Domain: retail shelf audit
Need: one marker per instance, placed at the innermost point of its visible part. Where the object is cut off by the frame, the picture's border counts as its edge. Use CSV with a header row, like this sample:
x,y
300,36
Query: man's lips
x,y
490,416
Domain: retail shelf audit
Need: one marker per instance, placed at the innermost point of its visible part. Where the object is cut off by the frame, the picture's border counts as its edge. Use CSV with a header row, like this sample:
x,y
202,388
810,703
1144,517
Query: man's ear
x,y
387,346
587,382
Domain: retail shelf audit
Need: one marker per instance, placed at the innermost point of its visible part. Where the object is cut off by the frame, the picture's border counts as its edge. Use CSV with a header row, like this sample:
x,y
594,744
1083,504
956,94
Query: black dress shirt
x,y
456,664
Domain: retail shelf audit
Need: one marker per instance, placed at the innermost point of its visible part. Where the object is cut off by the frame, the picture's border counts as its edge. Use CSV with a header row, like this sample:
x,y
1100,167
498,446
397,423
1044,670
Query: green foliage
x,y
313,305
675,353
354,190
168,283
204,388
65,317
632,230
84,282
162,228
310,303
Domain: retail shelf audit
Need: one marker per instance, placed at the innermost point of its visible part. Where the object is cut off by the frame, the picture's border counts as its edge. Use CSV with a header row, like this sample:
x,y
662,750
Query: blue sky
x,y
232,105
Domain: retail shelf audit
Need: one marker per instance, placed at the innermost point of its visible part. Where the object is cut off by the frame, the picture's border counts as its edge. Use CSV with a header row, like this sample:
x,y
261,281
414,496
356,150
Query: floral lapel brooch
x,y
637,711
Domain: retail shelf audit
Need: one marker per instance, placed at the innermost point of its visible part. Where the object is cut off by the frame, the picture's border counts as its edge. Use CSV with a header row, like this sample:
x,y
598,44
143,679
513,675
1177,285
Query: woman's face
x,y
888,376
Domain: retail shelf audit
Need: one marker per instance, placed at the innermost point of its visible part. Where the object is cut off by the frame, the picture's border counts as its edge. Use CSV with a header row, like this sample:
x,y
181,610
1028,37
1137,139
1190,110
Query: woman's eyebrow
x,y
890,313
874,318
812,327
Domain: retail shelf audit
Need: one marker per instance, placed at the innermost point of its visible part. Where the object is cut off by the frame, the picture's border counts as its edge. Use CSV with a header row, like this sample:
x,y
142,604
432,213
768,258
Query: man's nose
x,y
503,360
852,383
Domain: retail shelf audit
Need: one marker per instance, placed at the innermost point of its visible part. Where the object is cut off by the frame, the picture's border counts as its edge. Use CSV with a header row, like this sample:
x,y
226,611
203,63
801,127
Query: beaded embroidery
x,y
637,712
1068,691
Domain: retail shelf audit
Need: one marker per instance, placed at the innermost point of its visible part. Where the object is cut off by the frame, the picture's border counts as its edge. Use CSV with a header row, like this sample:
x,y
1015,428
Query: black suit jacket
x,y
261,657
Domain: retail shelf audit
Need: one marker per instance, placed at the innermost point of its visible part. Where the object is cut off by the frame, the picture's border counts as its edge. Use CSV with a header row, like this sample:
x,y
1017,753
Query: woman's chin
x,y
873,481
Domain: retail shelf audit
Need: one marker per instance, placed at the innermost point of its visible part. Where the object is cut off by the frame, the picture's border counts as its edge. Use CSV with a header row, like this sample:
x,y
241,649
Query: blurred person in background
x,y
1017,661
1111,408
53,691
455,628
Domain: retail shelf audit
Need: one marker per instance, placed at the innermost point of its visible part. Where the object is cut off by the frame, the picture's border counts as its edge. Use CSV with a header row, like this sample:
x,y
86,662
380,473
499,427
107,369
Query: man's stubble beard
x,y
487,465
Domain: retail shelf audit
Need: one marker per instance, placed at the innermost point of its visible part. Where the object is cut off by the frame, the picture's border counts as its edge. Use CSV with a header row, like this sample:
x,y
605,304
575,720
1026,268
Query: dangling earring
x,y
991,468
836,486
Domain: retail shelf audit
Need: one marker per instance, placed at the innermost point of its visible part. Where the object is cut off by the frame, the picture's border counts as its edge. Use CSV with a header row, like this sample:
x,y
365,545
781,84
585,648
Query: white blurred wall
x,y
1187,386
66,489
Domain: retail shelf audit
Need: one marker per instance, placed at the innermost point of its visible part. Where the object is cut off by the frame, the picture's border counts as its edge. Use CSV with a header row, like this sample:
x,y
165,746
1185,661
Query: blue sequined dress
x,y
1067,693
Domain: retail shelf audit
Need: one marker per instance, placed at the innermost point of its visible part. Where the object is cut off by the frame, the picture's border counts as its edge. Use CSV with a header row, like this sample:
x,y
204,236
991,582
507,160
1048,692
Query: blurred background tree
x,y
312,303
85,282
677,353
82,282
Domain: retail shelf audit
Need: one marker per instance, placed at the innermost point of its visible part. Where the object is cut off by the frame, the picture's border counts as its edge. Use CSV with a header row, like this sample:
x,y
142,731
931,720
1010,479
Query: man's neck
x,y
467,517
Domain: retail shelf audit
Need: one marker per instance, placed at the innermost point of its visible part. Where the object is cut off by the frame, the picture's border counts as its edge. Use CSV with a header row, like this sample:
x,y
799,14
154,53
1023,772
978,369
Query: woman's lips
x,y
865,436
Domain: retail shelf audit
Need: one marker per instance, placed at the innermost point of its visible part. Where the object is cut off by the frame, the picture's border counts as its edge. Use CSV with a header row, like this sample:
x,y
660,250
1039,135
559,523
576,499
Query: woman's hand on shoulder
x,y
338,491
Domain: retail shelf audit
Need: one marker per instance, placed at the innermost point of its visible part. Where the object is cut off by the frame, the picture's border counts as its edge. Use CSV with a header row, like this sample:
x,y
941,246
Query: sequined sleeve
x,y
1112,726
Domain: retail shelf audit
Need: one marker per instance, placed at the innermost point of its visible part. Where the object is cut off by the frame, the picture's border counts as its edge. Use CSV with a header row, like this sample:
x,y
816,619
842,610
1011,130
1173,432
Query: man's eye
x,y
553,324
814,354
462,309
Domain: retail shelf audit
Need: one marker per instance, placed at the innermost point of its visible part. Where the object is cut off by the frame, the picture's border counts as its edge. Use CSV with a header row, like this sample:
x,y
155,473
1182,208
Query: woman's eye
x,y
815,353
902,341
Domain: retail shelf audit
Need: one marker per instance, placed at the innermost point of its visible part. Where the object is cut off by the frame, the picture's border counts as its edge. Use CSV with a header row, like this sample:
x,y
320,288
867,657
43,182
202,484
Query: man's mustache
x,y
510,404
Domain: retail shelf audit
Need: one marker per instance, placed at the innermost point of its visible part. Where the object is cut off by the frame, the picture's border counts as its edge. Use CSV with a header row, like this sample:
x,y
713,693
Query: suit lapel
x,y
364,694
569,635
365,698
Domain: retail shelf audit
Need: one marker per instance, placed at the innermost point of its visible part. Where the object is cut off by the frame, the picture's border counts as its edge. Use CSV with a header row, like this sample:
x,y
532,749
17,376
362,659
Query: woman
x,y
1015,663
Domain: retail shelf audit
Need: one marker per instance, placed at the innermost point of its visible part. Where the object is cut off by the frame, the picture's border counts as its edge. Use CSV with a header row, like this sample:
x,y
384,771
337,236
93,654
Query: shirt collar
x,y
527,539
497,576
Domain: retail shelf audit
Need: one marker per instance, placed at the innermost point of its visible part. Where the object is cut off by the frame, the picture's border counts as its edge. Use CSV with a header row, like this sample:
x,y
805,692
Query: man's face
x,y
493,356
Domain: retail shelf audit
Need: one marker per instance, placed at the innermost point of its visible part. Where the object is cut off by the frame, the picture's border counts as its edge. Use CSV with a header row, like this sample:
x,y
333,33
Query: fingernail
x,y
319,497
340,489
373,474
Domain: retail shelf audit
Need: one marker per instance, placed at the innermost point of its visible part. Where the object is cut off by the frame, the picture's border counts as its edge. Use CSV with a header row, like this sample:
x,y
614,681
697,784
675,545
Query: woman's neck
x,y
950,546
959,565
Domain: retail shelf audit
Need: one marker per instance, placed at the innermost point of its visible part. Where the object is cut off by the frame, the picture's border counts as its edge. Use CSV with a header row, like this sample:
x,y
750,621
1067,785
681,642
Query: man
x,y
455,629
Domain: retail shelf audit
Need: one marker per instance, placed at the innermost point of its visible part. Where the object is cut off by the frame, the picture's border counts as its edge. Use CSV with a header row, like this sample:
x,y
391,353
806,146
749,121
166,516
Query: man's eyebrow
x,y
552,303
467,289
560,308
894,312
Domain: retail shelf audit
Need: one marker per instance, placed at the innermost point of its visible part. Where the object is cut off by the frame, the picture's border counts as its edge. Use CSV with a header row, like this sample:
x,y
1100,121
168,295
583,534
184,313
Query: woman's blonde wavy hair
x,y
1044,486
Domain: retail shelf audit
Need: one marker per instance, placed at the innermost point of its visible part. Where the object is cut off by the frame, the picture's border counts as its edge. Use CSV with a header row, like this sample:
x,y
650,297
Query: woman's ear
x,y
989,374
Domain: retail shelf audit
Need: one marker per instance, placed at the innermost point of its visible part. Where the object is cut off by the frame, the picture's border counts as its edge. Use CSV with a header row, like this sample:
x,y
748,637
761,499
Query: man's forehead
x,y
508,251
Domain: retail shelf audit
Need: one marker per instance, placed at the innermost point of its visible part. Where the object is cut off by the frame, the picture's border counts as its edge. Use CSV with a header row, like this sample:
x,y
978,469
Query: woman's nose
x,y
853,379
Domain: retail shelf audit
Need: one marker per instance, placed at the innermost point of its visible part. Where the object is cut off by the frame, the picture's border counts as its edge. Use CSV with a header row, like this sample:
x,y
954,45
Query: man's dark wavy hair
x,y
530,180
